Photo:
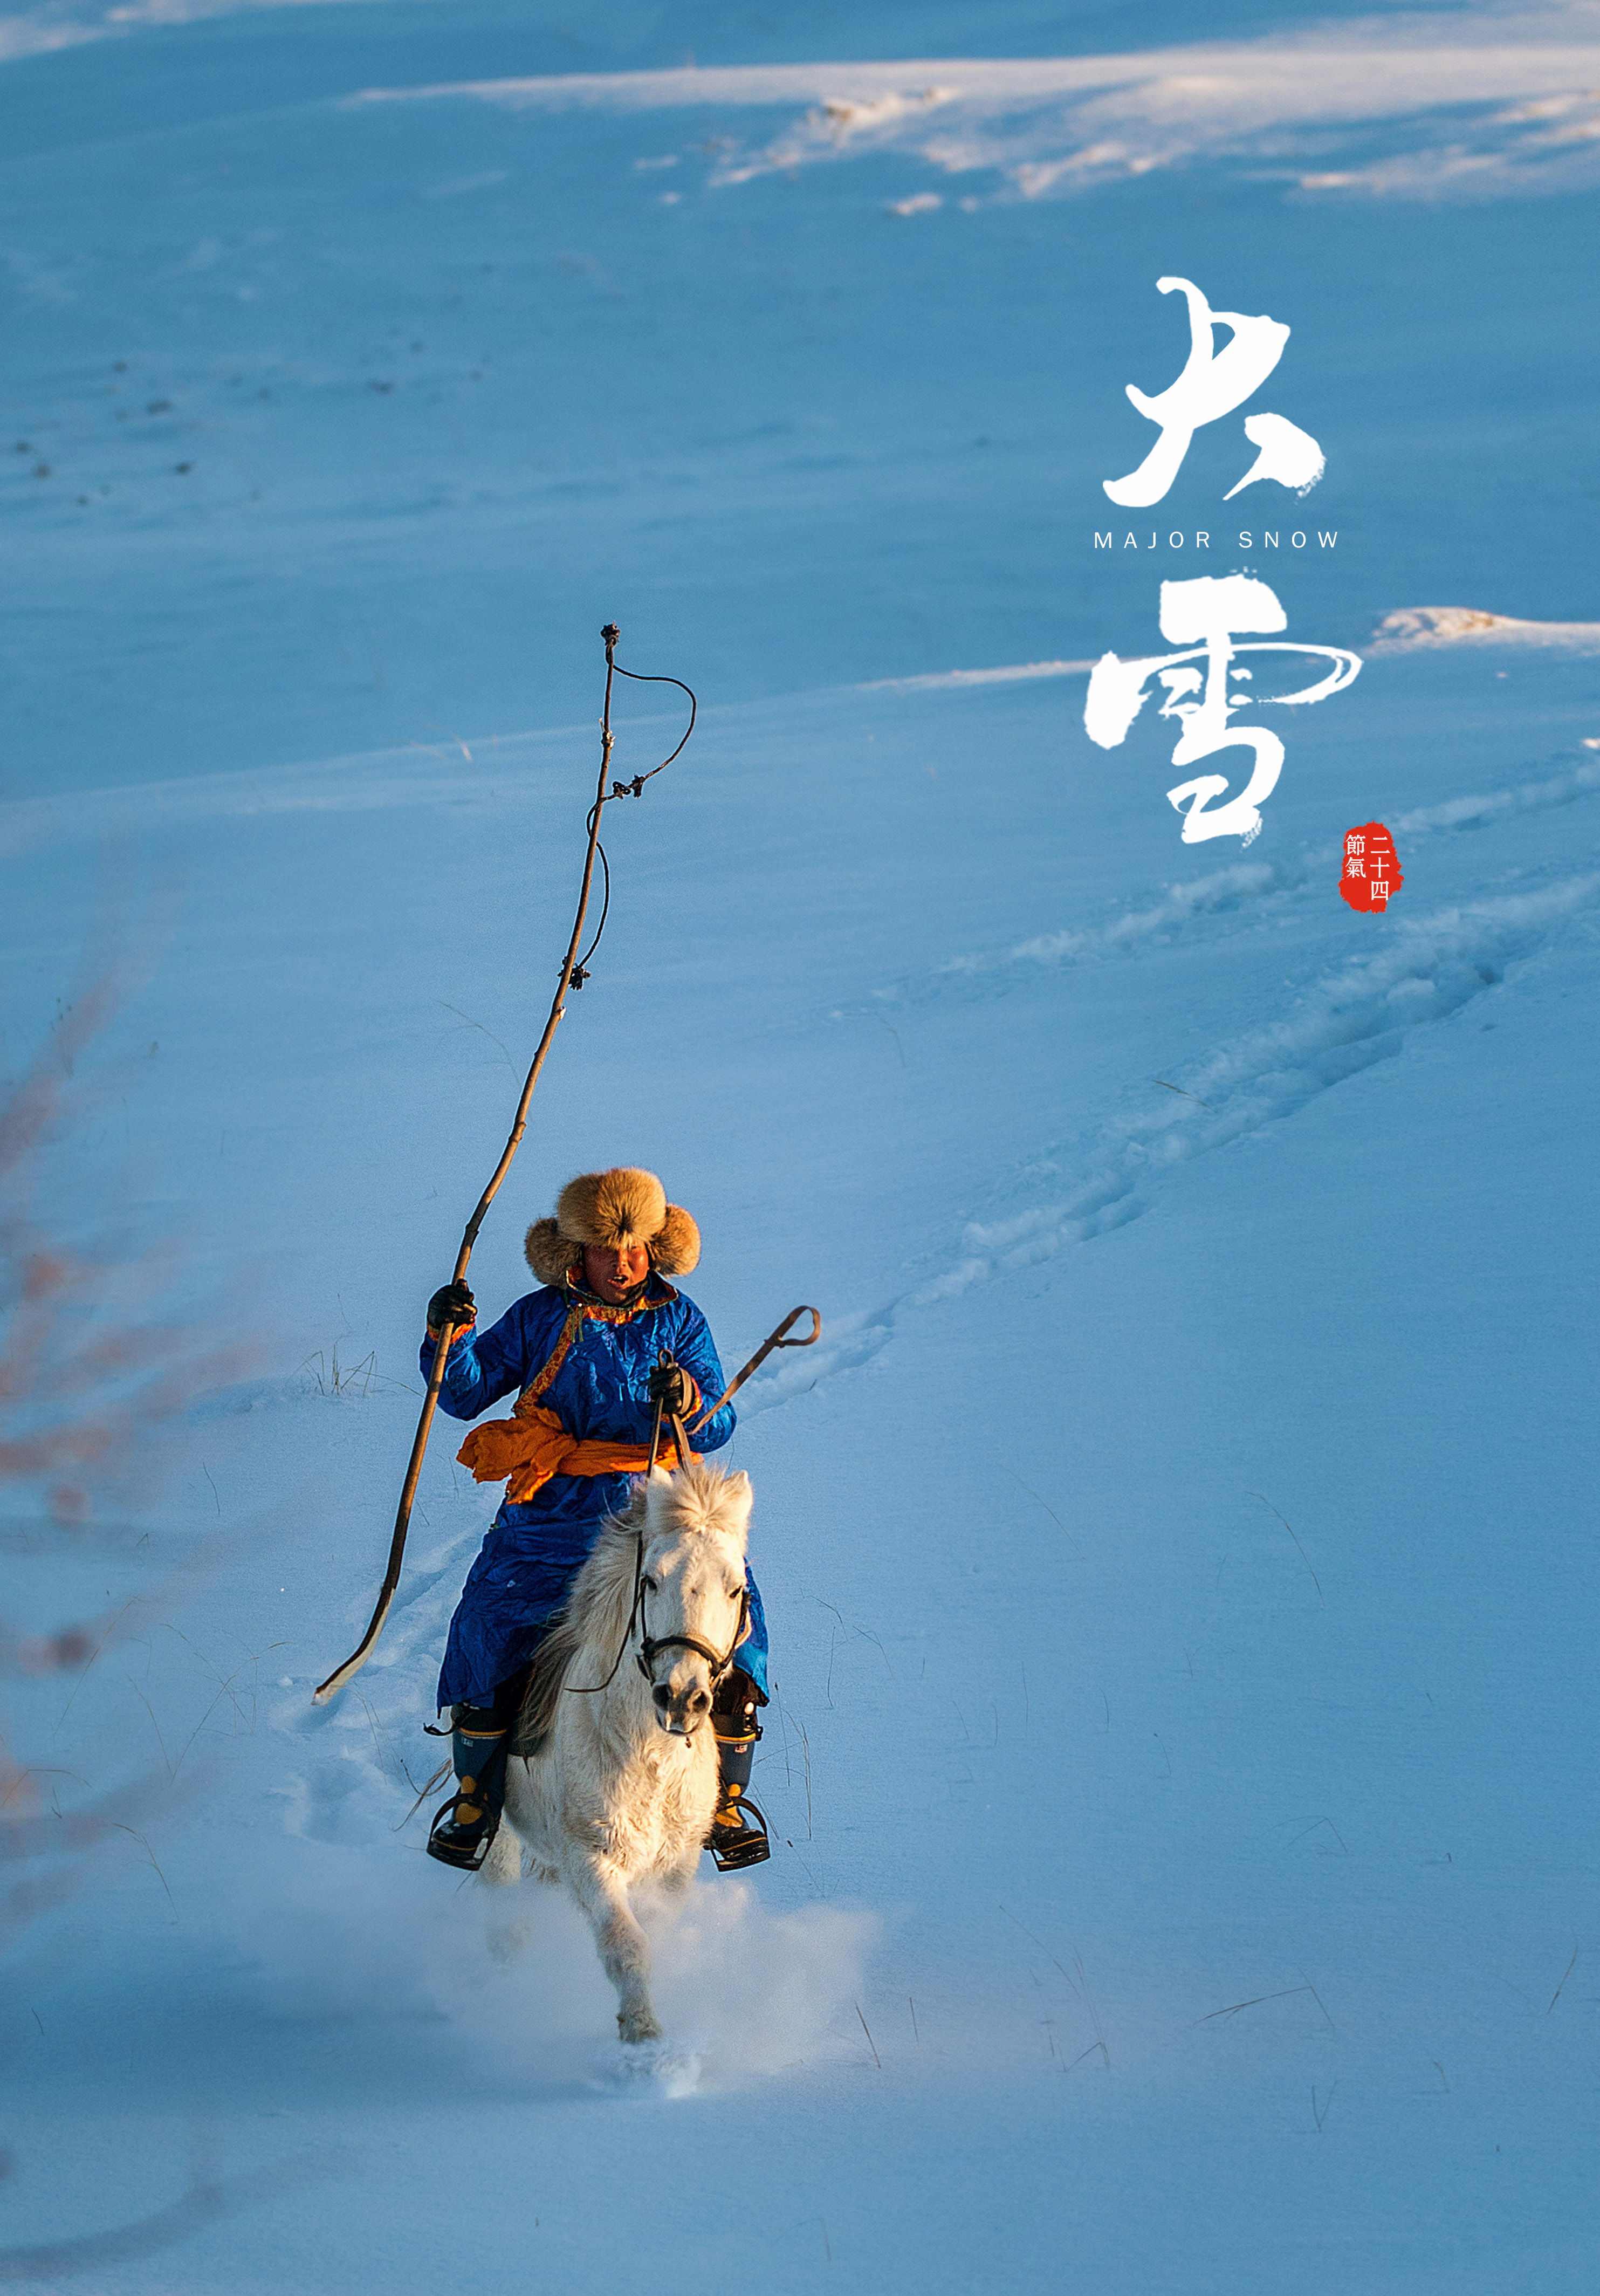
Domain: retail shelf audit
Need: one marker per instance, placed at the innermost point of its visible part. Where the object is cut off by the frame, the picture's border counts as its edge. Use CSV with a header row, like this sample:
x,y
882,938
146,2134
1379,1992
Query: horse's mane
x,y
596,1611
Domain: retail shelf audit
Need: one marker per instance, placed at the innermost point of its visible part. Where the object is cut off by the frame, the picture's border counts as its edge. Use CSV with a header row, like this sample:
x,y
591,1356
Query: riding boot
x,y
738,1836
465,1825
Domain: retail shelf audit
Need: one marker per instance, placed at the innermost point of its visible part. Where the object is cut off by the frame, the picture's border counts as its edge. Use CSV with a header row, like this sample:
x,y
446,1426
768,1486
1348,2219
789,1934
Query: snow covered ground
x,y
1178,1550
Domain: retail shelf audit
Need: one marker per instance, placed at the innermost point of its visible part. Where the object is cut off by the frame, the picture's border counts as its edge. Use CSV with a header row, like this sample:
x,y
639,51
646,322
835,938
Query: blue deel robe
x,y
533,1551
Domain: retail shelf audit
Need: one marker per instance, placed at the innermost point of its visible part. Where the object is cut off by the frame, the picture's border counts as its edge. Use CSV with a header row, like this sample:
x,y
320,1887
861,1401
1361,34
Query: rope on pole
x,y
572,976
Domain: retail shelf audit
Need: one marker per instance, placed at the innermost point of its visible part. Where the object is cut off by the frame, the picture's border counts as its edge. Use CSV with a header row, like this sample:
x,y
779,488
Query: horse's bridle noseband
x,y
650,1644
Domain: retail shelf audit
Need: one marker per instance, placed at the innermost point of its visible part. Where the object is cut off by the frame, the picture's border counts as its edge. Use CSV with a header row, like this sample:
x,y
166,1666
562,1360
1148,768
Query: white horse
x,y
620,1784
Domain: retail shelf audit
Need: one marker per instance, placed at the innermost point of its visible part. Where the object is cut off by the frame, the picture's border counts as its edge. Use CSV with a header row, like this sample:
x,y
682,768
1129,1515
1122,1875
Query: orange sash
x,y
534,1446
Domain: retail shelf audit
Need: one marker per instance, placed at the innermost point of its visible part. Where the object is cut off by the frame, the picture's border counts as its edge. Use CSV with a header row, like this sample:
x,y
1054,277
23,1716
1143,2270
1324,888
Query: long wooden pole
x,y
419,1446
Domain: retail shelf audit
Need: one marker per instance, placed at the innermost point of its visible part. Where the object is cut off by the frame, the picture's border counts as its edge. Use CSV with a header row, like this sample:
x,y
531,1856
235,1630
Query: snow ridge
x,y
1241,889
1414,626
1357,1013
1493,103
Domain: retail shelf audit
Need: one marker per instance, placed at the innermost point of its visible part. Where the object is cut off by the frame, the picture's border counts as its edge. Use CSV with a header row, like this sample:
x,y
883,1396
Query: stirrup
x,y
733,1844
468,1853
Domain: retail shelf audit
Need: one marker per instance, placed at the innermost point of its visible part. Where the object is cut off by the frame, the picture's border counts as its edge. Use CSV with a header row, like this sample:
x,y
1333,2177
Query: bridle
x,y
635,1615
649,1645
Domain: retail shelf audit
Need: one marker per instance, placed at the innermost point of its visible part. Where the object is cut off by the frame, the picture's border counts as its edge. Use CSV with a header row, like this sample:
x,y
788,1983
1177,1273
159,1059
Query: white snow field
x,y
1180,1549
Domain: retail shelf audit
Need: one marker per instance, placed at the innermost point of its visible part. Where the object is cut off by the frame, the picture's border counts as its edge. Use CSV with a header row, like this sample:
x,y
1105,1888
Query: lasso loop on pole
x,y
635,788
573,974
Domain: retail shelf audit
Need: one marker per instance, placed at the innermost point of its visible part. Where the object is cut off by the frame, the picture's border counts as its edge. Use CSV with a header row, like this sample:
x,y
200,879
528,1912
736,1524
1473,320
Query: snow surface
x,y
1179,1550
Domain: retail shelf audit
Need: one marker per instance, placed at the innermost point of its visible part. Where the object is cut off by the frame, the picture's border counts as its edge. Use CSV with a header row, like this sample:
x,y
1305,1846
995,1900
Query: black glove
x,y
670,1386
452,1303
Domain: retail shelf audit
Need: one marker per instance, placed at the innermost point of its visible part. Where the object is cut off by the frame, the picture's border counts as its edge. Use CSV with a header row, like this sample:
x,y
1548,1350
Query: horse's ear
x,y
658,1478
737,1488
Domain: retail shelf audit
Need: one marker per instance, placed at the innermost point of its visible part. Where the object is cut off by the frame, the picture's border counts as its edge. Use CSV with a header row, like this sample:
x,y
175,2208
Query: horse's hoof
x,y
637,2025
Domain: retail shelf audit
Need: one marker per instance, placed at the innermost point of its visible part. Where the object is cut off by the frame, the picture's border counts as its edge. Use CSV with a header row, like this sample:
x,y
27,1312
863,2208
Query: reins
x,y
648,1644
635,1608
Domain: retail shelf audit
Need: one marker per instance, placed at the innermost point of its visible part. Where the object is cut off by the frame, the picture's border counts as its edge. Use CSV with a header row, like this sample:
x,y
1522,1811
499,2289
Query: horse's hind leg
x,y
624,1949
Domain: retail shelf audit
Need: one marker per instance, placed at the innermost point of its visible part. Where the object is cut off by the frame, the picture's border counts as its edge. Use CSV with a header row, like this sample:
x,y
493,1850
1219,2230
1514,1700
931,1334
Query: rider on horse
x,y
591,1357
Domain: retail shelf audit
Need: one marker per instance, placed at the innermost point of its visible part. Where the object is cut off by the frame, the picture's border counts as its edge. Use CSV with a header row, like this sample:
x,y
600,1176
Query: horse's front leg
x,y
624,1948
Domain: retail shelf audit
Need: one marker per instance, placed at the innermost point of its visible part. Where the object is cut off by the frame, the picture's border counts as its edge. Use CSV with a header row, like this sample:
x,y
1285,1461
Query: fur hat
x,y
623,1206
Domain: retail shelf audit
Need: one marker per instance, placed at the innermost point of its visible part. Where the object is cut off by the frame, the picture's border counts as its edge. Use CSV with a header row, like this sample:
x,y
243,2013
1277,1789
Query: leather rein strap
x,y
649,1645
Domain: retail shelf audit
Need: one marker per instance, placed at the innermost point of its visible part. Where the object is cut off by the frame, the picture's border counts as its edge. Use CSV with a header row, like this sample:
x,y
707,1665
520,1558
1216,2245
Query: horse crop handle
x,y
777,1339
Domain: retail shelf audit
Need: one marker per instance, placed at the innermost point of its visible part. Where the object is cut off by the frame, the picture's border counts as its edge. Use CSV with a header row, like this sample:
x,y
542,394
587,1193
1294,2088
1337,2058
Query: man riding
x,y
591,1356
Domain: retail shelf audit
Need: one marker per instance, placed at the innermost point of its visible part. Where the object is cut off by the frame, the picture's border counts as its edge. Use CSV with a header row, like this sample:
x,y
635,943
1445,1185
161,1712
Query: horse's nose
x,y
680,1710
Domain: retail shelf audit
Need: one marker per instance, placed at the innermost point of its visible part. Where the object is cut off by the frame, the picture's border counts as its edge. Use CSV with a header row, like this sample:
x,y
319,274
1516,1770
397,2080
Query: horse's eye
x,y
648,1583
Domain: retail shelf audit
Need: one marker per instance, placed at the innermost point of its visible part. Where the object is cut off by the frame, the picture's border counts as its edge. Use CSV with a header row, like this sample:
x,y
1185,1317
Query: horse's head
x,y
692,1591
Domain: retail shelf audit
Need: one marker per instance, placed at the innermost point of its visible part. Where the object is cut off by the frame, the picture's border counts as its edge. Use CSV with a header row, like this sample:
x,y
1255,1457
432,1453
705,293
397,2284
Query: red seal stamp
x,y
1369,871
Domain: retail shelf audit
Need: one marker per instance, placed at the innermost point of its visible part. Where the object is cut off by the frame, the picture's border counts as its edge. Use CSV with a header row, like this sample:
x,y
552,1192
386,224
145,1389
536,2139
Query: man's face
x,y
614,1270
